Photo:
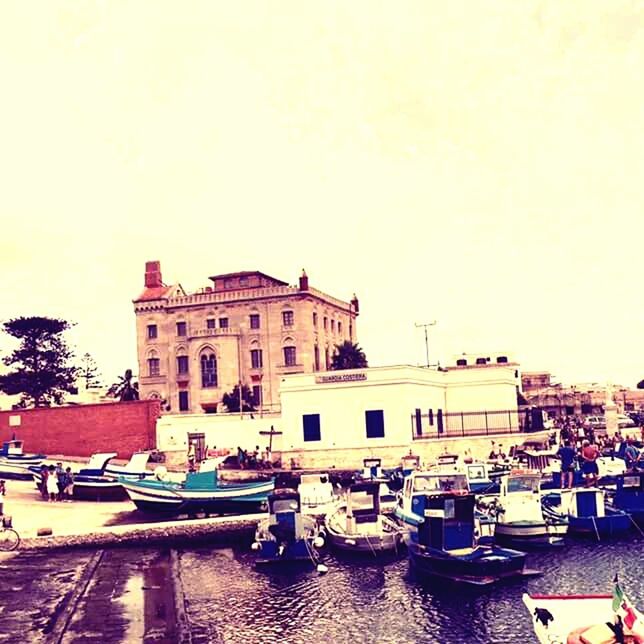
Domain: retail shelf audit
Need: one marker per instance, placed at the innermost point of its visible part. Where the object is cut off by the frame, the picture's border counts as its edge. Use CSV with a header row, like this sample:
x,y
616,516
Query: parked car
x,y
625,421
595,422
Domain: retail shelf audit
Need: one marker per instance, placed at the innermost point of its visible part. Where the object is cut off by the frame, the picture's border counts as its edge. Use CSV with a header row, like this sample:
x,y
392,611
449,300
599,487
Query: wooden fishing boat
x,y
520,518
14,463
629,495
446,546
287,535
359,525
201,492
586,512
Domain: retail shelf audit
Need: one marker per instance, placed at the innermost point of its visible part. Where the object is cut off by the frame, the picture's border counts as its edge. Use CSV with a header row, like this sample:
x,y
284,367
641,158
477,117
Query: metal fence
x,y
439,424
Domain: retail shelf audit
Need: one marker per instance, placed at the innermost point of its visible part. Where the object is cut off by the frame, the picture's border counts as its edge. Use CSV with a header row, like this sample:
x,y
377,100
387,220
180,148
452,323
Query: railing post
x,y
487,429
462,425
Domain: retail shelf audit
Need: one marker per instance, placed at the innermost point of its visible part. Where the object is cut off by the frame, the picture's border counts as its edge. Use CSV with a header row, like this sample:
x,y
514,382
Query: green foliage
x,y
231,400
640,384
89,373
41,364
124,389
348,356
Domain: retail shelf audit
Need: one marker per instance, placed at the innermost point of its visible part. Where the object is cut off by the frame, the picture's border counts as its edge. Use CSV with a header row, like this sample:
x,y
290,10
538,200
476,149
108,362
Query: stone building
x,y
247,327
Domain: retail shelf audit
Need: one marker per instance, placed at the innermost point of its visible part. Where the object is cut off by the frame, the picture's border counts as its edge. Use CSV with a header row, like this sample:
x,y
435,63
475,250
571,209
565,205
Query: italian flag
x,y
632,618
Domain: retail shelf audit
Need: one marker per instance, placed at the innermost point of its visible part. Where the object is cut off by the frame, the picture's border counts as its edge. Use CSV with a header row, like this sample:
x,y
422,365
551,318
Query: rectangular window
x,y
375,422
181,328
152,331
223,323
211,323
183,401
256,358
325,322
154,367
254,321
315,319
289,356
257,395
182,364
311,426
333,326
339,327
287,318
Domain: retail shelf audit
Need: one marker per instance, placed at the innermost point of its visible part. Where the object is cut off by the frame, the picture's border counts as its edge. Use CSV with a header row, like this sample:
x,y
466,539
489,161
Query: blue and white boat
x,y
629,495
447,547
287,536
14,463
587,512
412,499
200,492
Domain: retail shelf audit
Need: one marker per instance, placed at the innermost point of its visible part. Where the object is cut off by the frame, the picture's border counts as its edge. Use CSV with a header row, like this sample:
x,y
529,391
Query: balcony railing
x,y
437,424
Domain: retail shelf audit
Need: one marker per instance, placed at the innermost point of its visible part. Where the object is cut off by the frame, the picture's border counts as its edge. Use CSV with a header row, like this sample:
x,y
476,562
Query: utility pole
x,y
425,325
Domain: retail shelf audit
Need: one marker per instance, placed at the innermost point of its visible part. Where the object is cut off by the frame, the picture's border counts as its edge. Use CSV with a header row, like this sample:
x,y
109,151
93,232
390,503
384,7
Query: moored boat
x,y
136,467
286,535
359,525
520,519
14,463
586,512
317,495
200,492
446,546
629,495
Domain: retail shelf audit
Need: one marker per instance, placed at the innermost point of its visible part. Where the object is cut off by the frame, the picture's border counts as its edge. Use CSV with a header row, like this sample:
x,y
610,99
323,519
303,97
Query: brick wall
x,y
82,430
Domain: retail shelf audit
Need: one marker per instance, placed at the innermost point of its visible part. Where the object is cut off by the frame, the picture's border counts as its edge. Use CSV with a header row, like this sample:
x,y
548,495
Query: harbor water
x,y
228,600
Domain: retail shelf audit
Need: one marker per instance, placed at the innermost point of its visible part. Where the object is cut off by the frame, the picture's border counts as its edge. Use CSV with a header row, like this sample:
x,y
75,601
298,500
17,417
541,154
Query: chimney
x,y
153,275
355,303
304,281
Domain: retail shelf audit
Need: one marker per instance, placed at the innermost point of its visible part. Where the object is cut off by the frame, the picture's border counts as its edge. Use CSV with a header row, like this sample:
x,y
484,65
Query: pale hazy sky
x,y
477,163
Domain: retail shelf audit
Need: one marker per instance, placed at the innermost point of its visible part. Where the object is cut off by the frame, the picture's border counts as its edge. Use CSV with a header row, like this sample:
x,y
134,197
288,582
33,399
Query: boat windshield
x,y
523,484
434,483
361,500
284,505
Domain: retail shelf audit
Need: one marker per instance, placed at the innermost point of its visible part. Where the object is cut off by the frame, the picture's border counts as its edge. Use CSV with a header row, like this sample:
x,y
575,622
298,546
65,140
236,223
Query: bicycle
x,y
9,538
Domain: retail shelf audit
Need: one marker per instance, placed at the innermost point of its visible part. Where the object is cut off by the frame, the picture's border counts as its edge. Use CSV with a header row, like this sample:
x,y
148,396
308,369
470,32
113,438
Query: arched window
x,y
154,364
208,370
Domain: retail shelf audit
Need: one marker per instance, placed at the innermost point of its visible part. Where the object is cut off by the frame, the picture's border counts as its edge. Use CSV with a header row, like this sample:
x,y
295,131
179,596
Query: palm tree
x,y
348,356
125,390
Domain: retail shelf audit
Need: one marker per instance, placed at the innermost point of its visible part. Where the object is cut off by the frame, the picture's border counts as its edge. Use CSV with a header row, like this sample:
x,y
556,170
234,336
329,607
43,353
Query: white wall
x,y
221,431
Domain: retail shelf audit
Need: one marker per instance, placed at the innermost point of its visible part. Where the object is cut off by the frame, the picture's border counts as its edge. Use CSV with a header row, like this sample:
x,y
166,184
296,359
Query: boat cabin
x,y
315,490
521,482
12,448
363,506
583,502
371,468
409,464
629,492
419,484
448,522
285,518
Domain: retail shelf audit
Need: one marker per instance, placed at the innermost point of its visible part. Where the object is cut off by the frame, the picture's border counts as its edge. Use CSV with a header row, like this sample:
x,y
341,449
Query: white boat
x,y
519,514
576,619
14,463
134,468
359,526
317,495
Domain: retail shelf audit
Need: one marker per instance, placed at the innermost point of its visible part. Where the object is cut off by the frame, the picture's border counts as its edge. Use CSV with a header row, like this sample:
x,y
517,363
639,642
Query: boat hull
x,y
17,471
171,499
366,544
534,534
482,567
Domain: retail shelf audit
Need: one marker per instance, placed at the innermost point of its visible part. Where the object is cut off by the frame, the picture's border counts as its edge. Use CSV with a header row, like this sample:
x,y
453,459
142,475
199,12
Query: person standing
x,y
3,492
567,455
52,484
589,454
69,485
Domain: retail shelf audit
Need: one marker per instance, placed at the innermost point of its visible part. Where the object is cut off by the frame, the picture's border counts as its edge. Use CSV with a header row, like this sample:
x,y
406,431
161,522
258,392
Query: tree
x,y
42,371
231,400
348,356
124,389
640,384
89,372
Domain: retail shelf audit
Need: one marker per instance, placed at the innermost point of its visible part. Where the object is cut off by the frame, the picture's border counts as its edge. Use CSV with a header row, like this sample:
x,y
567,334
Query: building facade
x,y
247,328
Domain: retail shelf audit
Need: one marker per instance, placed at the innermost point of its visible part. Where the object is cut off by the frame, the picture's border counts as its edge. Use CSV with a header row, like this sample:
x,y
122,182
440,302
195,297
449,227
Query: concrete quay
x,y
99,524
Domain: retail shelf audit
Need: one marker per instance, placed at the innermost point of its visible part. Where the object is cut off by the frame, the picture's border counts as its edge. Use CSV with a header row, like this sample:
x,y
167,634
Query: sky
x,y
471,162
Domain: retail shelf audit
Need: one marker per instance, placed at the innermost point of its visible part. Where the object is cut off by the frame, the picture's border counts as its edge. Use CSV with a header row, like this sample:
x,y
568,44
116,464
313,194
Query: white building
x,y
338,418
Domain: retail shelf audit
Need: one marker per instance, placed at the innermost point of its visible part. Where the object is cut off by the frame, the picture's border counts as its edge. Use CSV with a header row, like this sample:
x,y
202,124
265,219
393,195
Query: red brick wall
x,y
81,430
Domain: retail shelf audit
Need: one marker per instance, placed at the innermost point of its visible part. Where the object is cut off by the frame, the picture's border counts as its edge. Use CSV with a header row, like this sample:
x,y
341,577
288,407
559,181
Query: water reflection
x,y
230,601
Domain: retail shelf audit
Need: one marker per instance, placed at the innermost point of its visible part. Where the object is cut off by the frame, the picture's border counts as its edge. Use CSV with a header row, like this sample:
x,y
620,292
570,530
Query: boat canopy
x,y
428,482
523,483
284,500
13,447
363,502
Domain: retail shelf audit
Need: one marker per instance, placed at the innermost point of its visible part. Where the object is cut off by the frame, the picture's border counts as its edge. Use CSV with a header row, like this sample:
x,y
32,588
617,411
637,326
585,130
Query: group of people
x,y
57,484
253,460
